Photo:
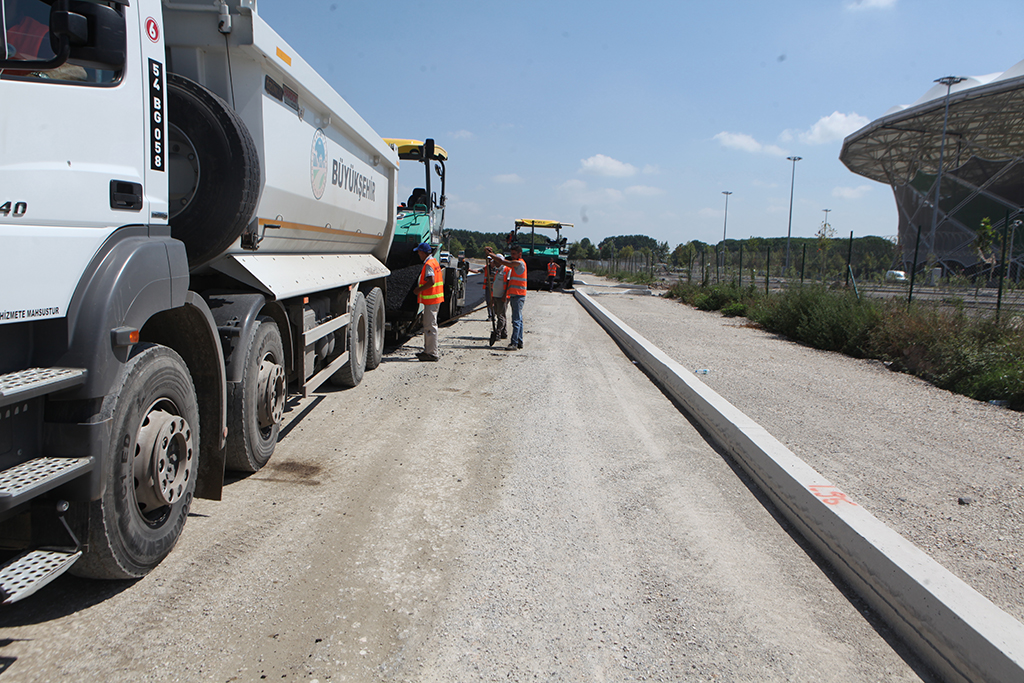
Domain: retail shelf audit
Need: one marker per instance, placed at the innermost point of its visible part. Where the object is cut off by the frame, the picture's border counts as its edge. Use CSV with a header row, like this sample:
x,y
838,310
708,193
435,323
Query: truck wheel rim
x,y
183,161
271,392
164,459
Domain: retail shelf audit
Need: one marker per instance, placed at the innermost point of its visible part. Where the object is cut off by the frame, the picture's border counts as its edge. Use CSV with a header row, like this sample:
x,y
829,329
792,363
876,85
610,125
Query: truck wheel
x,y
375,334
351,373
151,469
257,402
213,170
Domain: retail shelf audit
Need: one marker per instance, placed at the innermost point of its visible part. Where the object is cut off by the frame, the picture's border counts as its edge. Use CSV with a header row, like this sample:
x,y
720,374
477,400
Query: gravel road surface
x,y
545,514
944,471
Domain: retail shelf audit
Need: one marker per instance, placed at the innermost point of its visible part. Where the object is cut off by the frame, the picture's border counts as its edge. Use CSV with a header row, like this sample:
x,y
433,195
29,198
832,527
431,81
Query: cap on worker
x,y
424,247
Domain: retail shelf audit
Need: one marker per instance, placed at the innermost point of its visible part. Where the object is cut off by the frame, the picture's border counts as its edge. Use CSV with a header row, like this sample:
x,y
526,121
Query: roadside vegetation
x,y
636,278
965,354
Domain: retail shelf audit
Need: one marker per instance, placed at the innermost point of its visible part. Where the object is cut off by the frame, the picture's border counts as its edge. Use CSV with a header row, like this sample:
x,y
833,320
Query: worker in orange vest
x,y
430,293
516,290
552,274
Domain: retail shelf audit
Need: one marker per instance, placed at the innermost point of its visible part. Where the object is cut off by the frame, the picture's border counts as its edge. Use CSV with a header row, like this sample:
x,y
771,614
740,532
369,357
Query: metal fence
x,y
989,290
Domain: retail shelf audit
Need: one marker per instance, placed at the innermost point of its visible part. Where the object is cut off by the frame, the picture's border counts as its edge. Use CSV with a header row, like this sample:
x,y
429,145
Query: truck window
x,y
26,36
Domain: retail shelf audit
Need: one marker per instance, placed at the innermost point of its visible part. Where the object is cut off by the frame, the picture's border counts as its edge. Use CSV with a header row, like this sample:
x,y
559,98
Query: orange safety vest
x,y
27,37
552,269
434,295
517,283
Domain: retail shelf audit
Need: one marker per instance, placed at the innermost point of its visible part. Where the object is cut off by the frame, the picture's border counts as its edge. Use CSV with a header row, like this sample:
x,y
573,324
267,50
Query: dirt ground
x,y
543,514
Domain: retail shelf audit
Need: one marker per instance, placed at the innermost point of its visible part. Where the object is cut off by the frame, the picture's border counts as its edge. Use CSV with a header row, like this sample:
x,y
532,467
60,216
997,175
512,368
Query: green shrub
x,y
733,309
970,356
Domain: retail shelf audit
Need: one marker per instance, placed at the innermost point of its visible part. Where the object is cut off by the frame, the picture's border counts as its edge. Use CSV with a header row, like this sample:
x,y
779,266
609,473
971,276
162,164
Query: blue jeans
x,y
517,301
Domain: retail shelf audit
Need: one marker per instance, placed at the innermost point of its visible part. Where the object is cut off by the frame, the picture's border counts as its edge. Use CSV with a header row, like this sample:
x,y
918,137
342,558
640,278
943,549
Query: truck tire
x,y
351,373
375,322
213,170
256,404
154,431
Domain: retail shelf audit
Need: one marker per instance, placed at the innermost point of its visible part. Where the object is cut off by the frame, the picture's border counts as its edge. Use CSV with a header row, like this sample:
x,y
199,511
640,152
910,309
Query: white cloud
x,y
508,179
577,192
746,143
870,4
600,164
831,128
461,135
644,191
650,169
851,192
573,185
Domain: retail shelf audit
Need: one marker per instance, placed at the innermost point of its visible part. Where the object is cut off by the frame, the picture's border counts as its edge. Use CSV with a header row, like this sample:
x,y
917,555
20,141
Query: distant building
x,y
982,175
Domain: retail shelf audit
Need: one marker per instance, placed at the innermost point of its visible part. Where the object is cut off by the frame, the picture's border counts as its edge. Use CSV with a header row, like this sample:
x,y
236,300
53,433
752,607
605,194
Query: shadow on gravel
x,y
65,596
293,421
870,615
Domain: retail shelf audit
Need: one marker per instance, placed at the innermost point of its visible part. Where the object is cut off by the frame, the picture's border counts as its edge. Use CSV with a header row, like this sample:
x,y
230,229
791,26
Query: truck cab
x,y
195,225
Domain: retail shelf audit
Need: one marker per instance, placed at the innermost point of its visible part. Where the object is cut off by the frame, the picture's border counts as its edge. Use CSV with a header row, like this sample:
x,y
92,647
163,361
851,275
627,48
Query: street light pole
x,y
725,226
949,82
789,230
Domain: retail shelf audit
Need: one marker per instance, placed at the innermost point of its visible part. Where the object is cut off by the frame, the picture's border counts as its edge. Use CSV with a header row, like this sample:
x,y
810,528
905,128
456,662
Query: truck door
x,y
80,143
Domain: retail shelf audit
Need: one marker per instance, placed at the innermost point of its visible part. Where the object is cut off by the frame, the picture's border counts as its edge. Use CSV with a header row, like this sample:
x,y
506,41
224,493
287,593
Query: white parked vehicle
x,y
895,276
195,225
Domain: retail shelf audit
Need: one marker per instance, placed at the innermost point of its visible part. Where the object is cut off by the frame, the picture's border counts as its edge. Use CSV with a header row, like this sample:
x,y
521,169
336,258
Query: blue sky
x,y
634,117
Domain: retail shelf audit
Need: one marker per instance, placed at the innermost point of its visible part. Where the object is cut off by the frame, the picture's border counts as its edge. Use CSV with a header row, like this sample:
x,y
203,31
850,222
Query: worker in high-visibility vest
x,y
552,274
430,293
516,290
499,299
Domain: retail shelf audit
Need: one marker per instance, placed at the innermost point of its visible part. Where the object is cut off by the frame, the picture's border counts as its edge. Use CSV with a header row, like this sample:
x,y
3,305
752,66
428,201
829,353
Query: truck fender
x,y
138,280
133,276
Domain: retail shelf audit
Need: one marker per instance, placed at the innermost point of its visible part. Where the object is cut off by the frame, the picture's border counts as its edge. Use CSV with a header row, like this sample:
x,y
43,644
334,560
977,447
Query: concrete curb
x,y
951,626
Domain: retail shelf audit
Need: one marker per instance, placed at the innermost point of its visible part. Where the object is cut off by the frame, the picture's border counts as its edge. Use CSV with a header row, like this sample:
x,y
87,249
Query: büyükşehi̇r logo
x,y
318,164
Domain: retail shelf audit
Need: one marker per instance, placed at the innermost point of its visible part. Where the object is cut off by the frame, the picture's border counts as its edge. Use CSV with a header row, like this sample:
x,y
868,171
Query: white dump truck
x,y
193,226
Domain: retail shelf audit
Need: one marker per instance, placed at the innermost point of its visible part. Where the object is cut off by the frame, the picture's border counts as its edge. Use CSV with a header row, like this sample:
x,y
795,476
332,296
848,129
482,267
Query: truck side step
x,y
28,572
26,384
29,479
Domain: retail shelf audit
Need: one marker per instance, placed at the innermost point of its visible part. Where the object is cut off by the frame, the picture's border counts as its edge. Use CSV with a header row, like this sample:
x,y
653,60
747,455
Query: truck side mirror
x,y
103,44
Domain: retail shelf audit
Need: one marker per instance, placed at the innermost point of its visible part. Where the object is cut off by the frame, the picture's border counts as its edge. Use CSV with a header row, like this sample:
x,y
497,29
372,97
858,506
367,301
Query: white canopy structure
x,y
982,165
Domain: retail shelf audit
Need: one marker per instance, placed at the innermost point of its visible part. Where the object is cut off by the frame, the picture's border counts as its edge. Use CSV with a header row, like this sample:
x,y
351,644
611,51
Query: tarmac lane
x,y
543,514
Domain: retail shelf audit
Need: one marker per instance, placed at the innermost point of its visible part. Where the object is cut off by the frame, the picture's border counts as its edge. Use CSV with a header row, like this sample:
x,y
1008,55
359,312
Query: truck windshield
x,y
26,37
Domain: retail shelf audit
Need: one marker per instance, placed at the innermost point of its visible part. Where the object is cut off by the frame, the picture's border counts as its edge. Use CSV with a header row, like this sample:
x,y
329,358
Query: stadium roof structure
x,y
983,162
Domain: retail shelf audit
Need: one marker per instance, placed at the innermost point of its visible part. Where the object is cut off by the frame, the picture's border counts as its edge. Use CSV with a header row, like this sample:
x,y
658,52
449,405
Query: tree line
x,y
823,254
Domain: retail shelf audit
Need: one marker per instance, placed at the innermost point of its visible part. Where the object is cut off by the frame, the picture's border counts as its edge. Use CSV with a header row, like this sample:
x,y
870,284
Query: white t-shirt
x,y
498,288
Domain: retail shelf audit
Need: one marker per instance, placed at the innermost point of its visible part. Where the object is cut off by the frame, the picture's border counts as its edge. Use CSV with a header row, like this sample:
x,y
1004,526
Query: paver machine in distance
x,y
420,219
539,250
